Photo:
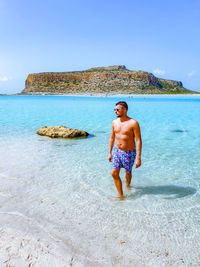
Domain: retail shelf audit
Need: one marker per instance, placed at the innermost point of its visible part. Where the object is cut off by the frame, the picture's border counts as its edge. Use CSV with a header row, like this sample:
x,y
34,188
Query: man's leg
x,y
118,182
128,165
128,180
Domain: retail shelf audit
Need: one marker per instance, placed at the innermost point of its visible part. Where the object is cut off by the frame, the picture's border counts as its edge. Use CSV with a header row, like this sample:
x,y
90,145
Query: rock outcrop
x,y
114,79
115,67
61,132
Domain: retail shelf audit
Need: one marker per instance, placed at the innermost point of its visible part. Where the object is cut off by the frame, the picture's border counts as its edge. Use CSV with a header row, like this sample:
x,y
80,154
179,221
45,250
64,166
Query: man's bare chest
x,y
124,129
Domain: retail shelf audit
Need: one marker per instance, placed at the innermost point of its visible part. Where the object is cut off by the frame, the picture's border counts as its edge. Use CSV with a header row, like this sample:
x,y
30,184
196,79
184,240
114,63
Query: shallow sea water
x,y
63,187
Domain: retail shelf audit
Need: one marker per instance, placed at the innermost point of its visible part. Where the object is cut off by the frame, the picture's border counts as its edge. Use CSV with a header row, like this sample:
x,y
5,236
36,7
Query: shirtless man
x,y
125,131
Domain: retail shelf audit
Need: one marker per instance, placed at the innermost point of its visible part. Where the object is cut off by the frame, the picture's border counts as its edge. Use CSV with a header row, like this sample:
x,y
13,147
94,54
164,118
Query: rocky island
x,y
101,80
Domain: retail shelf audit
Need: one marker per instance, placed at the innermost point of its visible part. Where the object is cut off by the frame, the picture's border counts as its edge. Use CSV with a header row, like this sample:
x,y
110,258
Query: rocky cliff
x,y
113,79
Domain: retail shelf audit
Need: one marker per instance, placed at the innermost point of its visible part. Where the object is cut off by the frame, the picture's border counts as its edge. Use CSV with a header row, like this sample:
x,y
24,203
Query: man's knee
x,y
115,173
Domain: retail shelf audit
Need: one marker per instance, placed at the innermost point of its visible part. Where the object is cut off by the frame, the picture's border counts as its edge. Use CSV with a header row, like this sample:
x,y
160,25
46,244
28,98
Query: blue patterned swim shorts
x,y
123,159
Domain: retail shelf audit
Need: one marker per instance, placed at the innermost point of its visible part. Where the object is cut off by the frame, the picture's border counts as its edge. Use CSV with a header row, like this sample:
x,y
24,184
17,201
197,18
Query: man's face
x,y
119,111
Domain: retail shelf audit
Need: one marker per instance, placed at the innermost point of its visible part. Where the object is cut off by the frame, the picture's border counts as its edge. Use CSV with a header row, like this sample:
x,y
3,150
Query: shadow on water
x,y
166,191
178,131
65,141
90,136
101,132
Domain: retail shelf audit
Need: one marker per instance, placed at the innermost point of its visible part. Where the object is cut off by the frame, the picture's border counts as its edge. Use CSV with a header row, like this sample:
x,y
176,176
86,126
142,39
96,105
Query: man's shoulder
x,y
132,121
115,121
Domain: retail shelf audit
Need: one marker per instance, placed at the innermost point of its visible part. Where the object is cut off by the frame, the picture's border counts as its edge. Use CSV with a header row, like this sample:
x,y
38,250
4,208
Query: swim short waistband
x,y
115,147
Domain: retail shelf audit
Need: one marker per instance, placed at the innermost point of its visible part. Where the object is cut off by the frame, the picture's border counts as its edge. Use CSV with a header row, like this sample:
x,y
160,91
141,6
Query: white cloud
x,y
5,78
159,72
191,73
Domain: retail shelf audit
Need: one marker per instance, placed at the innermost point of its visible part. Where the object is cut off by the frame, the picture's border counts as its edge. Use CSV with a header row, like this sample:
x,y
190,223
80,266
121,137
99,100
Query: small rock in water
x,y
61,132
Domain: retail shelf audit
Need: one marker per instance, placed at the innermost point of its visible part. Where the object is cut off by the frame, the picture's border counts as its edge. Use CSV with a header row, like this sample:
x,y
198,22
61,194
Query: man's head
x,y
121,108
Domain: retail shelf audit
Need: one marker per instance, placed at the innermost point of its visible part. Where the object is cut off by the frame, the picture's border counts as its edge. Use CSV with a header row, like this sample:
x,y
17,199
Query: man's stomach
x,y
125,145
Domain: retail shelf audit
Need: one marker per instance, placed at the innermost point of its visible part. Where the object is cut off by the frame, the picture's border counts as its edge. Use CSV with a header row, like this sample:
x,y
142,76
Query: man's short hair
x,y
123,104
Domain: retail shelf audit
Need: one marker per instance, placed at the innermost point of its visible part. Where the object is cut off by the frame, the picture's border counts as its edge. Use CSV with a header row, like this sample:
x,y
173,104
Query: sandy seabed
x,y
20,249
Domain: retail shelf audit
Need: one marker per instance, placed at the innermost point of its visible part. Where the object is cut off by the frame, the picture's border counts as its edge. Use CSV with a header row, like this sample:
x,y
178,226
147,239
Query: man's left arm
x,y
138,139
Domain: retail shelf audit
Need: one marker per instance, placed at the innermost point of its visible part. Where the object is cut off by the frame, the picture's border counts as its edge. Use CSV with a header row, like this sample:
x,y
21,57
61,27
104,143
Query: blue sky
x,y
162,37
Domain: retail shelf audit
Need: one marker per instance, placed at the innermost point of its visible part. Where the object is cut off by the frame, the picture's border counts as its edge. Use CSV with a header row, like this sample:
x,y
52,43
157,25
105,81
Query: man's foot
x,y
128,187
117,198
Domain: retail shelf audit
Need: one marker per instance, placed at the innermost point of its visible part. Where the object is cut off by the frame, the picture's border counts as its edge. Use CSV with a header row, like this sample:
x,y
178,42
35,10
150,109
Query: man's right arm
x,y
111,142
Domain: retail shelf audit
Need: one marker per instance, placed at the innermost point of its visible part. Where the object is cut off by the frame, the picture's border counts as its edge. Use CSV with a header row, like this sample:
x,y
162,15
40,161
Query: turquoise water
x,y
64,186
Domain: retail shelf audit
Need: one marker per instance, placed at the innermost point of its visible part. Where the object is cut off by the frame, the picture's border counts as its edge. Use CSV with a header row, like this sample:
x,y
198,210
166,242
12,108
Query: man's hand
x,y
137,162
110,157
